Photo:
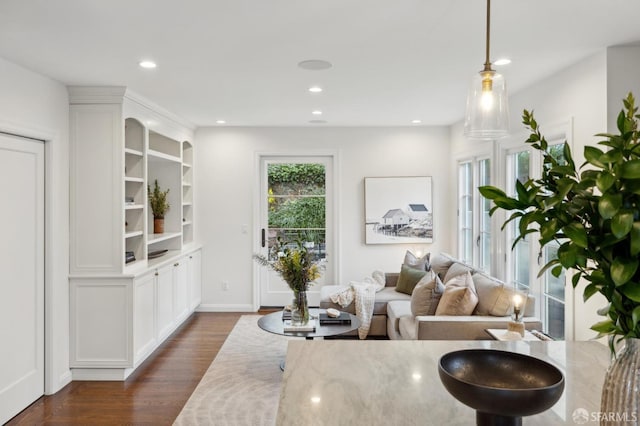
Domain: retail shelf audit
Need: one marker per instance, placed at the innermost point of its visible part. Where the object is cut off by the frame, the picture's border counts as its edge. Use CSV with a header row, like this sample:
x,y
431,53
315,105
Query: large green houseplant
x,y
593,213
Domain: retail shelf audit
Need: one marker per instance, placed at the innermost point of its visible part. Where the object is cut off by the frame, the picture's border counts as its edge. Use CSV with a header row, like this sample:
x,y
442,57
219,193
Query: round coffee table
x,y
273,324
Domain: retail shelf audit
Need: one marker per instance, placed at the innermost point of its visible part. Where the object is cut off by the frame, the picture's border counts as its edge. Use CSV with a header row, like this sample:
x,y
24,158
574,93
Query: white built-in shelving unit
x,y
121,311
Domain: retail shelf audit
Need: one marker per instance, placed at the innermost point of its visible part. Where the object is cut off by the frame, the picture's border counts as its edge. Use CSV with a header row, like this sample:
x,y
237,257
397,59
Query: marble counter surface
x,y
397,383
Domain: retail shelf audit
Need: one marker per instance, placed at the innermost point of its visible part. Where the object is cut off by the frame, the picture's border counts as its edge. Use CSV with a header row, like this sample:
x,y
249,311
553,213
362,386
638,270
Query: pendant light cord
x,y
487,64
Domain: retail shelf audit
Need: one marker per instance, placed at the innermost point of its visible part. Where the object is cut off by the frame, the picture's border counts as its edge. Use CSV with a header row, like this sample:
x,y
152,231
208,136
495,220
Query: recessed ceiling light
x,y
318,121
315,89
147,64
502,61
316,112
416,121
315,64
221,122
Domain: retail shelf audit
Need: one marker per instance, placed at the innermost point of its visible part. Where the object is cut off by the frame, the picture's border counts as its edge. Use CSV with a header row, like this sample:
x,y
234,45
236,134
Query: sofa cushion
x,y
494,297
426,295
408,279
457,268
459,297
379,307
415,262
397,309
440,263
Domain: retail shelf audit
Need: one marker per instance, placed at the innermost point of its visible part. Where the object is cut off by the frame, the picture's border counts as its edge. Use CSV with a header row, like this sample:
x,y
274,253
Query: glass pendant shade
x,y
487,113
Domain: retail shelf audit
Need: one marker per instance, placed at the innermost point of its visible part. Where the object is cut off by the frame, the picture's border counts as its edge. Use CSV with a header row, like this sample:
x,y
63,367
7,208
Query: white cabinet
x,y
124,300
144,315
118,322
194,277
181,289
164,287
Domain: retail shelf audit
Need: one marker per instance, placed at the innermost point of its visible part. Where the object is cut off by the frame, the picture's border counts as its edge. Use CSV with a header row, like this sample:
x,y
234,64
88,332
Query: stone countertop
x,y
397,382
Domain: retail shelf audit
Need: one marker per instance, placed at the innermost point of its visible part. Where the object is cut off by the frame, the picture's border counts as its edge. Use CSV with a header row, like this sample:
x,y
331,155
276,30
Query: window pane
x,y
553,286
296,200
522,167
521,263
555,319
485,255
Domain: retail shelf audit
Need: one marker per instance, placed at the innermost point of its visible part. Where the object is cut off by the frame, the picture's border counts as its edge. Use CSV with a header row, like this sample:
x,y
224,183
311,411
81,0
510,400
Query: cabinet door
x,y
194,276
164,289
144,333
181,289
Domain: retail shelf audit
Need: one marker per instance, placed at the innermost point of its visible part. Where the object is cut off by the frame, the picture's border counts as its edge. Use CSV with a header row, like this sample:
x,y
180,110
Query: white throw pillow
x,y
415,262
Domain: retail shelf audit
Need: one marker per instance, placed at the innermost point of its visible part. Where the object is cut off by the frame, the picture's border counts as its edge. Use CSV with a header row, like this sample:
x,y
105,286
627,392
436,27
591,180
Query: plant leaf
x,y
622,270
635,239
589,291
576,232
635,315
491,192
605,180
592,155
622,223
609,205
632,291
630,169
605,326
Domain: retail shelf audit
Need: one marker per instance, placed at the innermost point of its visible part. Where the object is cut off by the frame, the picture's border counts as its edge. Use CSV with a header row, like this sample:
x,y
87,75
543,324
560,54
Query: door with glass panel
x,y
525,258
296,208
474,223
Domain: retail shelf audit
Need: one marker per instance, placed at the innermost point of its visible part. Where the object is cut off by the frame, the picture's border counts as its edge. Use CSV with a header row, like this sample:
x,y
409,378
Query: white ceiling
x,y
393,61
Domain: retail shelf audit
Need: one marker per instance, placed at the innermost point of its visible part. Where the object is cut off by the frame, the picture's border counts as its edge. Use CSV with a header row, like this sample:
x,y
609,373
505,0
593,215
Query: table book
x,y
310,326
344,318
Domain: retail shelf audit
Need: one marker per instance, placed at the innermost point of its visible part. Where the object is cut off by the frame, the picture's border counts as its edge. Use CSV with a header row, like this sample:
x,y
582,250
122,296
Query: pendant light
x,y
487,114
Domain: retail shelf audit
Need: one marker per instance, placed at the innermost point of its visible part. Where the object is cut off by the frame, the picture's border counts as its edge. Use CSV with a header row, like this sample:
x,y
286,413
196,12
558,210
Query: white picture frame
x,y
398,210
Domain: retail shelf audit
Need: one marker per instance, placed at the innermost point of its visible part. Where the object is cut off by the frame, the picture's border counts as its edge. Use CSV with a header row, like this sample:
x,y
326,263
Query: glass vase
x,y
299,308
621,390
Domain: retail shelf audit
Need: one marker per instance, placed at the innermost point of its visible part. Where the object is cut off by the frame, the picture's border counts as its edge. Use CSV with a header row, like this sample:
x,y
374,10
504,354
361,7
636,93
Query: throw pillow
x,y
459,297
408,279
440,263
426,295
457,268
421,263
494,298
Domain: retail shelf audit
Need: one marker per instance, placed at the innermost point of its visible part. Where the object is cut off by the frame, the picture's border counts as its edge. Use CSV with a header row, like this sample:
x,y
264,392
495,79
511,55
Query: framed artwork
x,y
398,210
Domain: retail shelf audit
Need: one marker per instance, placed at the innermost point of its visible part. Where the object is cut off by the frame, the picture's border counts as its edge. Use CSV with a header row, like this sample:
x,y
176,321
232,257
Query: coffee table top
x,y
273,323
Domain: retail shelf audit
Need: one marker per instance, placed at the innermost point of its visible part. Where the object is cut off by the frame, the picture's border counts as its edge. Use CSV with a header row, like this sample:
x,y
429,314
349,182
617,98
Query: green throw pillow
x,y
408,279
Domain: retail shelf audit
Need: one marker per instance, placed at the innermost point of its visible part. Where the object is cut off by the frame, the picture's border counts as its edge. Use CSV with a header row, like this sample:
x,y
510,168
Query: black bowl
x,y
505,384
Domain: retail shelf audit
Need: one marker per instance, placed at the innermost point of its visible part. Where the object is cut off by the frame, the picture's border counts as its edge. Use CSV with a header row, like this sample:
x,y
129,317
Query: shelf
x,y
133,206
186,165
156,238
186,184
133,152
187,223
187,203
157,155
132,234
133,179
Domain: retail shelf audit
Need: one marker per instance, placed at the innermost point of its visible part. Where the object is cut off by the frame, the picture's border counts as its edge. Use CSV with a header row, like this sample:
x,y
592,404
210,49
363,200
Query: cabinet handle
x,y
263,237
190,257
176,264
156,274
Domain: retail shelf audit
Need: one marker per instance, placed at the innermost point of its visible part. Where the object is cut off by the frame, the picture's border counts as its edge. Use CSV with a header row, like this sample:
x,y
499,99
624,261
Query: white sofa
x,y
393,317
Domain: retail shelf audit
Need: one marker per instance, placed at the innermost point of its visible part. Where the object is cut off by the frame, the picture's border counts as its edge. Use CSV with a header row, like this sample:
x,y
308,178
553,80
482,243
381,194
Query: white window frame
x,y
474,160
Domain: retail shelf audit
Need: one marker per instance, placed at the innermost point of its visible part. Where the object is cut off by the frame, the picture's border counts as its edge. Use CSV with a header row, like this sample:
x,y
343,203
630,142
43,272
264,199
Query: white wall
x,y
225,185
36,106
623,63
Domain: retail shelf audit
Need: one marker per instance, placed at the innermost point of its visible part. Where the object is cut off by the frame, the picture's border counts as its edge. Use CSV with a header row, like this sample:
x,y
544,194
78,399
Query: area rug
x,y
242,385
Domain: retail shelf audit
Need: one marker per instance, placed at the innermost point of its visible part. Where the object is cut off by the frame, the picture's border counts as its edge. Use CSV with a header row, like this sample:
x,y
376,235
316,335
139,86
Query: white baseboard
x,y
218,307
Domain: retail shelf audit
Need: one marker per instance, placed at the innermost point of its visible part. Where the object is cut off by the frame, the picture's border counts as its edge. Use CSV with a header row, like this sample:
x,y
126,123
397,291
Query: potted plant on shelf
x,y
593,214
159,206
297,267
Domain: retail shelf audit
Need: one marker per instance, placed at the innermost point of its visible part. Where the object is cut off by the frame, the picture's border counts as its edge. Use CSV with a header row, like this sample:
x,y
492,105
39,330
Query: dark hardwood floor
x,y
153,395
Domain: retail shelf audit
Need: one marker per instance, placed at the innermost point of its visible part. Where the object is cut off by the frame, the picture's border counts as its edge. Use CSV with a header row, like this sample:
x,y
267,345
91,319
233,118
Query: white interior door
x,y
22,268
296,210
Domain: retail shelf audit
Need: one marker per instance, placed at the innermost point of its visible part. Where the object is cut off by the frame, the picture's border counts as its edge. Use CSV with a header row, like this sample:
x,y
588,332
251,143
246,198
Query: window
x,y
524,259
474,223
